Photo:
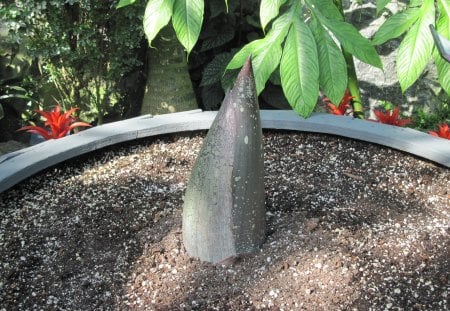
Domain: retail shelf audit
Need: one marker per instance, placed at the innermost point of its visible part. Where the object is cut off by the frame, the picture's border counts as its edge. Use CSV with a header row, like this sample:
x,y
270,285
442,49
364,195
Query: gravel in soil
x,y
351,225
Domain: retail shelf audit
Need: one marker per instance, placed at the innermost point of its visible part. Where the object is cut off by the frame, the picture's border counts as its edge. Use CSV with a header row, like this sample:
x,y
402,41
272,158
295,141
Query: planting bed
x,y
350,225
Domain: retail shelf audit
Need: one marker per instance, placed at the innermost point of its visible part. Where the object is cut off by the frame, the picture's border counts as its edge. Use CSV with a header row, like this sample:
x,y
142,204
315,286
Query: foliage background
x,y
82,48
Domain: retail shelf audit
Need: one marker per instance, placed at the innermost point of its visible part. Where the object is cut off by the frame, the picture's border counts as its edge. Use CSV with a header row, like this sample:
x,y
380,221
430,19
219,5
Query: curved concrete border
x,y
16,166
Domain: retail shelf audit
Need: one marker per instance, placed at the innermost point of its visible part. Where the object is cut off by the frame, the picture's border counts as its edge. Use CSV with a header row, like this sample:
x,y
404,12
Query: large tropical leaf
x,y
187,21
327,9
333,69
240,57
414,52
353,41
349,37
276,35
381,4
266,57
299,69
157,15
396,25
281,25
269,10
265,63
443,27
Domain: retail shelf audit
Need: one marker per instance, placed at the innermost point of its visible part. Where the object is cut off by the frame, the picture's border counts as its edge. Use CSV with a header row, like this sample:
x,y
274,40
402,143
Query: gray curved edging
x,y
16,166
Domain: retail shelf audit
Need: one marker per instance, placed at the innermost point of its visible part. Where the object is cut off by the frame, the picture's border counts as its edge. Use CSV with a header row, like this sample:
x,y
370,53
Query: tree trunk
x,y
169,86
224,211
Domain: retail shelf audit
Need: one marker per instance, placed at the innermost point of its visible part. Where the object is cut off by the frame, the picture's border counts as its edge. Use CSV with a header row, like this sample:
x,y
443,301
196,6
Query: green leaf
x,y
281,25
240,57
266,53
187,21
443,27
15,88
268,10
444,9
396,25
265,63
218,38
349,37
276,35
333,69
353,42
381,4
266,57
19,96
299,69
228,79
214,70
328,9
414,52
157,15
216,7
443,69
123,3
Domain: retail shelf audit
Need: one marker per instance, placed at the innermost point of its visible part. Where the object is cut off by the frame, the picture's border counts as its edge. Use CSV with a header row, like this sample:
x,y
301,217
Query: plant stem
x,y
352,84
358,108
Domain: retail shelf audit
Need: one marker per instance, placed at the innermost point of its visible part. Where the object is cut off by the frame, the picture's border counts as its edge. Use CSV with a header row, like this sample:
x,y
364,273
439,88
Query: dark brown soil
x,y
351,226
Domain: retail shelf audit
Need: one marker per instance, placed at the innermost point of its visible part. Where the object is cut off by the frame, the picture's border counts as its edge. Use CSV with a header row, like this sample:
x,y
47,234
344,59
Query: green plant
x,y
417,47
224,31
443,131
305,52
11,91
57,124
391,116
84,48
343,106
300,41
425,120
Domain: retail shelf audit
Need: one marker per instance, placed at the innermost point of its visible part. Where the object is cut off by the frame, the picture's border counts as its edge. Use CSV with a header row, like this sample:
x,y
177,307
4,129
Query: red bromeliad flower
x,y
391,117
60,123
341,109
444,131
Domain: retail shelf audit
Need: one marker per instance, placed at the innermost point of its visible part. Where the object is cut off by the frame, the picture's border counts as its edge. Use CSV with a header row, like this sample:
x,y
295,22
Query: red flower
x,y
341,109
444,131
60,123
391,117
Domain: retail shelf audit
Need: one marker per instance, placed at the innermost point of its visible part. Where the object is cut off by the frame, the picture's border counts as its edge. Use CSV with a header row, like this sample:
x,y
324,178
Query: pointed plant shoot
x,y
224,211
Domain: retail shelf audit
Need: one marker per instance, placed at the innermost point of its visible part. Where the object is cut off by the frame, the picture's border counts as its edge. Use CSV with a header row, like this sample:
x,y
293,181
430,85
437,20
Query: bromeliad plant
x,y
443,132
57,123
343,106
391,117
